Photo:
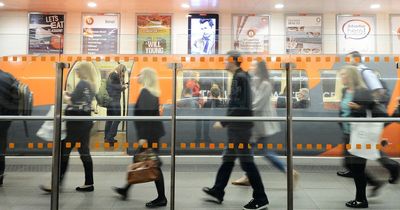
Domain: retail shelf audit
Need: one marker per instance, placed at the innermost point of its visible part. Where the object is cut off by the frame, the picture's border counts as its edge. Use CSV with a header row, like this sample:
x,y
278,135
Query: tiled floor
x,y
318,187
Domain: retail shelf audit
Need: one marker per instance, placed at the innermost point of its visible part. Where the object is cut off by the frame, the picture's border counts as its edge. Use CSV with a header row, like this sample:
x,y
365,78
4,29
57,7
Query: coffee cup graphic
x,y
356,29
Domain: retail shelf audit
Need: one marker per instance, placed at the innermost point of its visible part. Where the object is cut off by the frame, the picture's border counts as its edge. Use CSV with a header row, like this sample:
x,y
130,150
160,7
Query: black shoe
x,y
45,188
357,204
376,188
159,202
121,191
345,173
215,196
1,179
256,204
394,177
85,188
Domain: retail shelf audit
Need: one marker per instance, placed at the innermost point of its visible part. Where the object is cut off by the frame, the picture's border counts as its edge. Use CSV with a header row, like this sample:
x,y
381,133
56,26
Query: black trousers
x,y
78,131
357,167
160,182
4,126
111,127
237,136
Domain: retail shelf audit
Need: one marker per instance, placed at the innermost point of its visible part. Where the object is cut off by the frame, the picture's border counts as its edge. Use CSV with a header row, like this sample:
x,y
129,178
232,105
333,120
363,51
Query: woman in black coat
x,y
148,131
356,100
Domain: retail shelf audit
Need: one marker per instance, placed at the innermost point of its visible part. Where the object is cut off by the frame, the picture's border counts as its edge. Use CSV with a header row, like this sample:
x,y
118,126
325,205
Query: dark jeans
x,y
78,132
160,182
111,128
270,155
4,126
202,131
237,136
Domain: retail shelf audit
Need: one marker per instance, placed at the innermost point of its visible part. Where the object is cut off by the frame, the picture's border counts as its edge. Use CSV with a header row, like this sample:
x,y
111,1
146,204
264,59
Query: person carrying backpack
x,y
8,106
115,85
381,96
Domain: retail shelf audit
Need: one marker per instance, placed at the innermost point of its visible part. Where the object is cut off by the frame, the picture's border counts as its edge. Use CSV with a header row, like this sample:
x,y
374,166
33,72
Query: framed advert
x,y
154,34
203,34
100,34
303,34
46,33
356,33
251,33
395,33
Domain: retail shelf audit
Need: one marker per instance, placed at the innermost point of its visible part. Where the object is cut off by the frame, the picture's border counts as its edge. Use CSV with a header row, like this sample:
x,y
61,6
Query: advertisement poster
x,y
100,34
154,34
355,33
46,33
251,33
304,34
203,34
395,29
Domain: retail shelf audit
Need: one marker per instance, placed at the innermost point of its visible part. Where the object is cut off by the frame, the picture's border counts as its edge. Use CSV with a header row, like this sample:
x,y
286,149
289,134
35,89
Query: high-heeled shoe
x,y
357,204
85,188
159,202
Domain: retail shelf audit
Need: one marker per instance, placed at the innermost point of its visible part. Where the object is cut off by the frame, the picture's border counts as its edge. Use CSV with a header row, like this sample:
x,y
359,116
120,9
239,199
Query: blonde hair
x,y
85,72
150,81
354,77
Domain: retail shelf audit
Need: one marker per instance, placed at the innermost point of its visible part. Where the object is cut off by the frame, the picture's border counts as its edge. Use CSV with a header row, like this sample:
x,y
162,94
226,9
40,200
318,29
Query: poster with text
x,y
203,34
100,34
304,34
356,33
46,33
154,34
395,29
251,33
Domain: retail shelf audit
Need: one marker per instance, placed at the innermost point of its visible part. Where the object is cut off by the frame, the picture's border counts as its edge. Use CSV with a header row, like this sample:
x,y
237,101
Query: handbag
x,y
145,168
364,133
47,129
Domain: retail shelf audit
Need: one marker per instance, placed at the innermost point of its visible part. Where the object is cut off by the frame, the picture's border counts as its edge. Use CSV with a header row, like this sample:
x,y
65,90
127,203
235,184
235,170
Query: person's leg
x,y
4,126
160,186
247,164
392,166
84,152
272,156
199,125
357,167
108,124
116,111
65,152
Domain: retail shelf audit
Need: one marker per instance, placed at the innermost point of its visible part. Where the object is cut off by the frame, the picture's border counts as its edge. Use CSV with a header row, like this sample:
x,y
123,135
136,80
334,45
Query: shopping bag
x,y
364,133
46,130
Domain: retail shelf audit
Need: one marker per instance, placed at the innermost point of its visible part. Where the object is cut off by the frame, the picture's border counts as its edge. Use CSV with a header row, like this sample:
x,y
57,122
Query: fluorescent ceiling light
x,y
279,6
92,4
375,6
2,4
185,6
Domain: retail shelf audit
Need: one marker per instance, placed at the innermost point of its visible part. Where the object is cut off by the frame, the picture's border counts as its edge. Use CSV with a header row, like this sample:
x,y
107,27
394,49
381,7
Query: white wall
x,y
14,29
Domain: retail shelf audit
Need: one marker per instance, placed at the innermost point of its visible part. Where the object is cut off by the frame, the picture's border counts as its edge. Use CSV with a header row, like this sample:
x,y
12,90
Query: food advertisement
x,y
100,34
251,33
304,34
46,33
356,33
154,34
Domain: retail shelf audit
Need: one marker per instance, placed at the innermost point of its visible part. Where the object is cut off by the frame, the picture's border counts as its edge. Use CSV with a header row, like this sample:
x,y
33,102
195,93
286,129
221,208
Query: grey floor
x,y
318,186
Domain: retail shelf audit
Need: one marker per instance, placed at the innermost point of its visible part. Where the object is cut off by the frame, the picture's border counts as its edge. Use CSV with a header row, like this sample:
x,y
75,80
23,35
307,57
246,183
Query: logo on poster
x,y
89,20
356,29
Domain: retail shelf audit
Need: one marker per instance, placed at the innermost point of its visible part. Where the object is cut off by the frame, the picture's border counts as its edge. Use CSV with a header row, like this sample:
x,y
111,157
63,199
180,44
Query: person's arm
x,y
77,94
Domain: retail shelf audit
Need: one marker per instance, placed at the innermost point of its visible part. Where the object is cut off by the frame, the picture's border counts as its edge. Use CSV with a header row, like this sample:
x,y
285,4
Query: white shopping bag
x,y
363,134
46,131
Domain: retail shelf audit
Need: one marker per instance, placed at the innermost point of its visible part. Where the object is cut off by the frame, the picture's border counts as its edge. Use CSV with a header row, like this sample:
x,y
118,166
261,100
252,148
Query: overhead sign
x,y
304,34
395,31
154,34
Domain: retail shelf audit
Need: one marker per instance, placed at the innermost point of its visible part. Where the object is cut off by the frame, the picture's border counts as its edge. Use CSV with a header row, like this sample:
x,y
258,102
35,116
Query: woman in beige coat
x,y
262,107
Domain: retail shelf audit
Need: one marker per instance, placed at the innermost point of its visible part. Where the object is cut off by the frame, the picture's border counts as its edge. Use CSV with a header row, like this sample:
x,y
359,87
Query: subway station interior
x,y
201,104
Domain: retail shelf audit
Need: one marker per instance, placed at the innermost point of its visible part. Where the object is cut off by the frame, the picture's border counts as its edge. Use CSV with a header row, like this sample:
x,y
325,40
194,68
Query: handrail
x,y
203,118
